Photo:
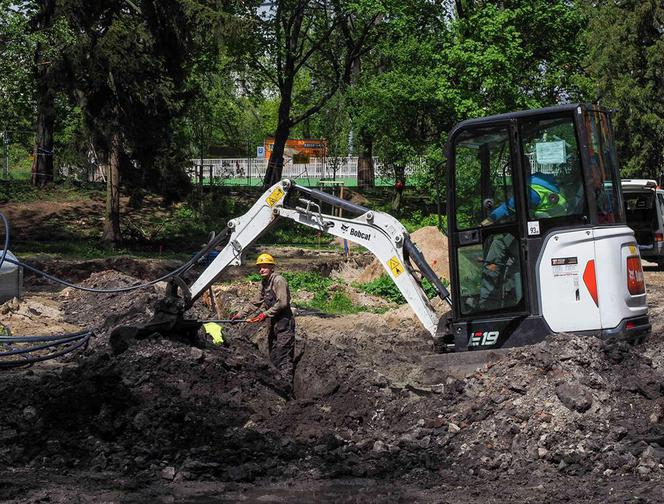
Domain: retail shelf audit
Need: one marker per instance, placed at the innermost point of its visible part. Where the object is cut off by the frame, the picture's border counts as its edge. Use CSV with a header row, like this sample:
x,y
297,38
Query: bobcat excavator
x,y
527,258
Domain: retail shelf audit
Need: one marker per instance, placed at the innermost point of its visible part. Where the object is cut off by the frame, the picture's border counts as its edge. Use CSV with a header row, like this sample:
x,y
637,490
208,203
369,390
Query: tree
x,y
626,65
433,68
17,93
287,39
45,73
127,70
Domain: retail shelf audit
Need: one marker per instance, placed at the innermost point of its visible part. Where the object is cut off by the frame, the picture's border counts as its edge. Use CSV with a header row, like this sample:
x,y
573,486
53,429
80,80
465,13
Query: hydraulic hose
x,y
50,344
76,343
185,267
72,341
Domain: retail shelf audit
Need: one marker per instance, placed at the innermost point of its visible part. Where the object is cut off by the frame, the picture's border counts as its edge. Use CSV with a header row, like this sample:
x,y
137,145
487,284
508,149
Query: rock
x,y
7,434
197,354
649,457
29,413
643,471
542,452
379,447
438,388
574,397
452,427
618,433
168,473
140,421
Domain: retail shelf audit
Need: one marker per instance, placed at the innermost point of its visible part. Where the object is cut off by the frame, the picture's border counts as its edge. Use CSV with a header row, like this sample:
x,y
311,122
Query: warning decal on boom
x,y
395,266
275,196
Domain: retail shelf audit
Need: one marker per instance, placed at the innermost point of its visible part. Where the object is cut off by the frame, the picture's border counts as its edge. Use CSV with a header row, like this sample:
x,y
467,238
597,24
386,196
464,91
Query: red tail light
x,y
659,237
635,281
590,280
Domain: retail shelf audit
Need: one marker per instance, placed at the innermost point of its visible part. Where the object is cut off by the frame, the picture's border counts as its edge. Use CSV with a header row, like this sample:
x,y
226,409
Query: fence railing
x,y
250,168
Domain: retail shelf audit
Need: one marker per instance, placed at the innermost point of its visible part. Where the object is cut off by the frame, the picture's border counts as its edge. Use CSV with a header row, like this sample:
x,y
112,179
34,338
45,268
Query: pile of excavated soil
x,y
572,418
37,316
431,242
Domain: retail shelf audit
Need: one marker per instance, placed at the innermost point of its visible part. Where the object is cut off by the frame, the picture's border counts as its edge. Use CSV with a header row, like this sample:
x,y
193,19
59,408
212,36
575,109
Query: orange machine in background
x,y
300,149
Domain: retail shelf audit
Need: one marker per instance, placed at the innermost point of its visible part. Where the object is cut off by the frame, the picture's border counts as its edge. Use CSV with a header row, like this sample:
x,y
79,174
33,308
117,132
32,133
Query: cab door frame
x,y
468,325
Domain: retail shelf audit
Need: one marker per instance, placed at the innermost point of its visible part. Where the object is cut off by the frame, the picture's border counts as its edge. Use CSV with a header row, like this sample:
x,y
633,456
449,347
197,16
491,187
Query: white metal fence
x,y
250,168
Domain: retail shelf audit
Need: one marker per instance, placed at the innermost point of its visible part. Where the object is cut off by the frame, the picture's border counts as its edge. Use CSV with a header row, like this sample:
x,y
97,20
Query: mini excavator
x,y
528,259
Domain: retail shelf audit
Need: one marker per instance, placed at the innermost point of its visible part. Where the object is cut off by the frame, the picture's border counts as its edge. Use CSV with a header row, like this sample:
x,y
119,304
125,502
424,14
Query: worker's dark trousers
x,y
281,344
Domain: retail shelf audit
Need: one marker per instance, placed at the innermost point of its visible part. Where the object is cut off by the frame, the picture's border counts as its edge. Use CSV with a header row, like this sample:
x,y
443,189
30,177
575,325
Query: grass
x,y
182,227
22,191
90,249
335,302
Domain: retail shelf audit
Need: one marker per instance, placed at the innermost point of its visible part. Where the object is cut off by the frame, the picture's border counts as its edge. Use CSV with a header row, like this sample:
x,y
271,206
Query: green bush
x,y
384,287
419,220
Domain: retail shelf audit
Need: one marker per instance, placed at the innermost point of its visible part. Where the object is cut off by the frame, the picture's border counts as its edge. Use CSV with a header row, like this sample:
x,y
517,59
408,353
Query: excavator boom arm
x,y
378,232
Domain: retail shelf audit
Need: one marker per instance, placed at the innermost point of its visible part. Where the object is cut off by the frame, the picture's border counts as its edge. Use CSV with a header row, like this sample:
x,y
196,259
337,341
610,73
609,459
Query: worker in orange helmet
x,y
273,303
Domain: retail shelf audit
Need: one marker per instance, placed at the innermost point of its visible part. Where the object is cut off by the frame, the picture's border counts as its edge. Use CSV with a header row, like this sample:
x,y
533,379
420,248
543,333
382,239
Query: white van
x,y
644,207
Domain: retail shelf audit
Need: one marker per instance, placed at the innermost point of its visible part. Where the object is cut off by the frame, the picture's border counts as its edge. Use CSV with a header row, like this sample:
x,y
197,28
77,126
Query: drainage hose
x,y
65,343
62,344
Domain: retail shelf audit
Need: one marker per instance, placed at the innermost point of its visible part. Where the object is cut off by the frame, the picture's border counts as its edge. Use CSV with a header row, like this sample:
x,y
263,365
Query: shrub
x,y
384,287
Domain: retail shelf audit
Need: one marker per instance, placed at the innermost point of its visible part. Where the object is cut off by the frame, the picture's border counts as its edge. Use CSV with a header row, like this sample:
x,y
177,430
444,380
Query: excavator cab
x,y
537,234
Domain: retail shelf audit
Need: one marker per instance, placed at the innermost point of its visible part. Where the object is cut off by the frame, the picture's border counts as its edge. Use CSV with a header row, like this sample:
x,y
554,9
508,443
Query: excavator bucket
x,y
168,321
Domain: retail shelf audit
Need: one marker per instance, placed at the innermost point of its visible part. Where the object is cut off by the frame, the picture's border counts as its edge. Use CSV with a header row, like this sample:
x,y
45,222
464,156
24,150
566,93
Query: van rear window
x,y
640,201
639,209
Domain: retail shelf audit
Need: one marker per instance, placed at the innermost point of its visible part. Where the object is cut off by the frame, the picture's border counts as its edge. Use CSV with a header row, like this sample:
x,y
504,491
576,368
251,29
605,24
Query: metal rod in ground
x,y
223,321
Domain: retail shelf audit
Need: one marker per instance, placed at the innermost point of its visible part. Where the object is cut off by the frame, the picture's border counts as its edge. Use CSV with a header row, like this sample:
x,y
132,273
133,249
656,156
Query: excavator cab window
x,y
553,172
485,216
603,168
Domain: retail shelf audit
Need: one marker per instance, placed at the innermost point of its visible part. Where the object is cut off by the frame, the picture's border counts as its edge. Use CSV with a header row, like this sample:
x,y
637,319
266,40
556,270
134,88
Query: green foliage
x,y
384,287
625,64
291,234
309,281
417,220
17,50
335,301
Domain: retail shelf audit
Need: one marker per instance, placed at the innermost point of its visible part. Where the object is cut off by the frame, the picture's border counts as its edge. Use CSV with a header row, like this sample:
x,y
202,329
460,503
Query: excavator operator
x,y
273,303
501,283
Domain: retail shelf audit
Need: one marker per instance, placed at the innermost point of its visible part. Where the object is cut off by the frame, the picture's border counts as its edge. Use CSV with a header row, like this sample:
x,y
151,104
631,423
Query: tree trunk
x,y
365,167
111,234
42,166
400,183
275,166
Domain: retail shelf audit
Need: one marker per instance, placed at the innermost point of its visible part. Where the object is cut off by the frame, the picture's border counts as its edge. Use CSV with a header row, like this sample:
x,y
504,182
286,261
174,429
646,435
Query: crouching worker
x,y
273,303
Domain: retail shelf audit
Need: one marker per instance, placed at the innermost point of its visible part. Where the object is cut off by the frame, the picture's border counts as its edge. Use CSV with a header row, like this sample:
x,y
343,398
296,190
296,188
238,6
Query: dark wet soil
x,y
573,419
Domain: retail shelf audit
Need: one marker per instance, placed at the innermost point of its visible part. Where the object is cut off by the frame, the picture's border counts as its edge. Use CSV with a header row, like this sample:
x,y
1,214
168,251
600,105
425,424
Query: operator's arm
x,y
502,210
280,288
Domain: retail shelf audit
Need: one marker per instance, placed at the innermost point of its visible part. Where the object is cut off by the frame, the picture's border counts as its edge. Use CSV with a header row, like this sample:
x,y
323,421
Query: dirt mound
x,y
560,417
431,242
77,271
34,315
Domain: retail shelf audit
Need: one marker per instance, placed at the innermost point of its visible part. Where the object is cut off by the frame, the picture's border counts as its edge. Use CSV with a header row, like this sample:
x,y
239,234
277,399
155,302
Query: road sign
x,y
260,152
